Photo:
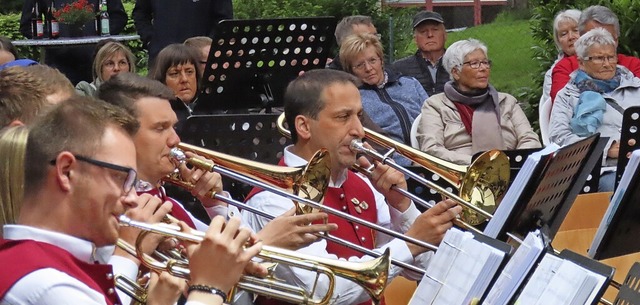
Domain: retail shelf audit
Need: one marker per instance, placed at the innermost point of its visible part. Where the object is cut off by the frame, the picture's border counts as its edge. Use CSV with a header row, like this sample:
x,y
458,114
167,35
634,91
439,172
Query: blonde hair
x,y
356,44
13,143
108,50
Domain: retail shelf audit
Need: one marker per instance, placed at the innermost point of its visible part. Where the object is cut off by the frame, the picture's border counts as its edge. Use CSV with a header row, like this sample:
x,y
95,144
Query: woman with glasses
x,y
594,99
110,59
471,116
391,100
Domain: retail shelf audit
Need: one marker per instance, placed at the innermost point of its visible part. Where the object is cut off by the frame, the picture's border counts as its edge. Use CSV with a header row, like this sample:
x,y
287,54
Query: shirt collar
x,y
81,249
291,159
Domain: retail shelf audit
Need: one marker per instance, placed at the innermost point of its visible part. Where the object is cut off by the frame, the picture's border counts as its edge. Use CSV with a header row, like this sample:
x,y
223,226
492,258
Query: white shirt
x,y
345,291
49,286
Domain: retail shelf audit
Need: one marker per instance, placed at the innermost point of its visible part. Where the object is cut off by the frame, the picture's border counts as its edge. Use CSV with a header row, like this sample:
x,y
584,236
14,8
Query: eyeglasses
x,y
129,182
371,61
598,60
111,64
477,63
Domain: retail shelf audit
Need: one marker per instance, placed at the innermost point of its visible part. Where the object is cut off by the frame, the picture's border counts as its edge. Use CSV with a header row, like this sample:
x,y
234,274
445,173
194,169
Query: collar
x,y
390,76
81,249
291,159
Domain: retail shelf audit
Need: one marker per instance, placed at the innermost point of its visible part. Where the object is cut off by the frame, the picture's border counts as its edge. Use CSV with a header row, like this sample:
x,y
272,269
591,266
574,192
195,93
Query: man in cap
x,y
426,64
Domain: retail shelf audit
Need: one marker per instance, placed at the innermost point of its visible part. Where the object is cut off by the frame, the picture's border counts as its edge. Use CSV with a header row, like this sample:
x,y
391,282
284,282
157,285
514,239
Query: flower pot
x,y
76,30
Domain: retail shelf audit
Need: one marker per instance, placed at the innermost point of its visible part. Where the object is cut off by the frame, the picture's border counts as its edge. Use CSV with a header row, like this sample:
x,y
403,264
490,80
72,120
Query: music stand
x,y
252,61
547,197
593,266
629,139
630,290
250,136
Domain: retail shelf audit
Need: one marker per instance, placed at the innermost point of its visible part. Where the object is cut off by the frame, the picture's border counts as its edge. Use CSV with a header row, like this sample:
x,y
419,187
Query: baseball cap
x,y
426,15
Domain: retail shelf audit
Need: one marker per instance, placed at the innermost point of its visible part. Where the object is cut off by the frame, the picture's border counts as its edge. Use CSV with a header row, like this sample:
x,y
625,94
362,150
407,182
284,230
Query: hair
x,y
355,44
600,14
51,79
571,15
596,36
7,45
303,95
75,125
455,54
345,26
13,143
108,50
198,42
171,56
125,89
22,96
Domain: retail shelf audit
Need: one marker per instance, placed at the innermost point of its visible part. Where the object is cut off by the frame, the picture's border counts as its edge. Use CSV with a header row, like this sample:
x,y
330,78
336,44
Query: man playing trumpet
x,y
323,110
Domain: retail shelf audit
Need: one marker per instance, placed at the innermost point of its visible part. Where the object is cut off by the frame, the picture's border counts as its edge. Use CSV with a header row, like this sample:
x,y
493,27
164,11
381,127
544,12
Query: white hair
x,y
455,54
564,16
596,36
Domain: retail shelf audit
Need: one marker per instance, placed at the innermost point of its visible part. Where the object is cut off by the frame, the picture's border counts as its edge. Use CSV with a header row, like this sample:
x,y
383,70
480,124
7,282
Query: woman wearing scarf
x,y
594,99
470,116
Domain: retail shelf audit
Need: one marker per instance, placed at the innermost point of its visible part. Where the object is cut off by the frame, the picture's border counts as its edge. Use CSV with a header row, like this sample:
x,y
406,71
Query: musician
x,y
148,100
322,108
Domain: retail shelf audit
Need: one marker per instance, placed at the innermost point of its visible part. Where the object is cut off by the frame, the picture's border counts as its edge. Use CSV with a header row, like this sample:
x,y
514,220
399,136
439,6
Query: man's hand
x,y
431,225
294,232
165,289
614,150
383,178
203,182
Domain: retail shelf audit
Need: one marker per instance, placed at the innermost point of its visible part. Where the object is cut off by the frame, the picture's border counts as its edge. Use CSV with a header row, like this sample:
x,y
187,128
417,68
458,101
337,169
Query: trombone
x,y
480,185
371,275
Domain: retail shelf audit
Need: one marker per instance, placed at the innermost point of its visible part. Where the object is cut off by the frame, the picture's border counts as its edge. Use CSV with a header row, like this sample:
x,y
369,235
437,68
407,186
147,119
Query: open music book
x,y
516,270
459,272
625,195
560,281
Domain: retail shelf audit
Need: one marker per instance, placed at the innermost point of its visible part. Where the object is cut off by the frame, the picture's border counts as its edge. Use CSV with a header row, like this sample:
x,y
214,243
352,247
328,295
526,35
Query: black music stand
x,y
591,265
550,192
629,139
252,61
630,290
250,136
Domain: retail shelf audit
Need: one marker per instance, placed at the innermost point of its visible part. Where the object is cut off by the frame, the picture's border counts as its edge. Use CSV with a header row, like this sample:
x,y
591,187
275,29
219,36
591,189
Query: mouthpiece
x,y
177,155
356,146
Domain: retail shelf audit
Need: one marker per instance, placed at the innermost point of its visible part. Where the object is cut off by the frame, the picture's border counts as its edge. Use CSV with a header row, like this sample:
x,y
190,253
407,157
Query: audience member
x,y
8,51
74,61
391,100
471,116
349,25
594,100
161,23
13,143
22,97
203,45
595,16
111,59
426,65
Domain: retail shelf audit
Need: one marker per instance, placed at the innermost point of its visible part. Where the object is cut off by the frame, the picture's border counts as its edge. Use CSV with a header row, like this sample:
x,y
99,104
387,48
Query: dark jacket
x,y
335,64
74,62
161,22
417,67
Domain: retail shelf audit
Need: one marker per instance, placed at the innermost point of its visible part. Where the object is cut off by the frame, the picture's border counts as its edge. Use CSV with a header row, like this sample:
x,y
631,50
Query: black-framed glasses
x,y
477,63
129,181
599,60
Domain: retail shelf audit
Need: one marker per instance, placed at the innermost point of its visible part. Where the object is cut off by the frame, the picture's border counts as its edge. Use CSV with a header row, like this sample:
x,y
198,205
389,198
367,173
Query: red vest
x,y
353,192
21,257
177,210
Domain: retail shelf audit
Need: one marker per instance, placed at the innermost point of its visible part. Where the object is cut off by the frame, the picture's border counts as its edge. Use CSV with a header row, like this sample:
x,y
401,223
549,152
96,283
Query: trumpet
x,y
481,185
371,275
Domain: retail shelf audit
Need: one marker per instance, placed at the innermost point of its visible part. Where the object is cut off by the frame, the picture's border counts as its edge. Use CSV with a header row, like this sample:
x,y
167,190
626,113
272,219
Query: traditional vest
x,y
177,210
356,198
21,257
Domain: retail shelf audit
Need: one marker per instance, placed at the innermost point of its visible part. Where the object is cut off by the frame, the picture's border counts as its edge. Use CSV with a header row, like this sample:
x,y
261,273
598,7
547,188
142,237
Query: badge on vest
x,y
359,205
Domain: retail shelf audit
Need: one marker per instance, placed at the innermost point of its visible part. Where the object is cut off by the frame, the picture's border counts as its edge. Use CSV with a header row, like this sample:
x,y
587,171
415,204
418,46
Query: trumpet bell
x,y
484,184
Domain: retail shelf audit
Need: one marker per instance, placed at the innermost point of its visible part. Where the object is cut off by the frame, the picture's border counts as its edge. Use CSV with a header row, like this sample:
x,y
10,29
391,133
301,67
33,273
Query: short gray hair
x,y
564,16
345,26
455,54
596,36
600,14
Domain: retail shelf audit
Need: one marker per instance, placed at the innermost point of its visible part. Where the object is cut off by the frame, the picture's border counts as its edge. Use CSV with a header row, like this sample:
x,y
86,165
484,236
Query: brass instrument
x,y
480,185
371,276
132,289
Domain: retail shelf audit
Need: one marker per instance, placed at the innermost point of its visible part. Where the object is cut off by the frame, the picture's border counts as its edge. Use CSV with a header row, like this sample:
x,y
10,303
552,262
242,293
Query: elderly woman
x,y
391,100
110,59
595,99
470,116
177,67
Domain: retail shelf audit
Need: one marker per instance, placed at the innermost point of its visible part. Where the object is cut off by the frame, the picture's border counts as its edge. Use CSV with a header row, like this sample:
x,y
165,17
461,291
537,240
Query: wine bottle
x,y
37,29
104,19
54,26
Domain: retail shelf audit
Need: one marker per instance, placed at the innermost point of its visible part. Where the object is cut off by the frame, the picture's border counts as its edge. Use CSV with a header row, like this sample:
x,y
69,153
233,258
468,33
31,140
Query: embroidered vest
x,y
177,210
21,257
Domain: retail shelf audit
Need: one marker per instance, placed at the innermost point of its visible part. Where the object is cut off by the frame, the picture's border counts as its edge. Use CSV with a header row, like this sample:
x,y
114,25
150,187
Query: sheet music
x,y
509,200
516,270
571,285
539,280
627,176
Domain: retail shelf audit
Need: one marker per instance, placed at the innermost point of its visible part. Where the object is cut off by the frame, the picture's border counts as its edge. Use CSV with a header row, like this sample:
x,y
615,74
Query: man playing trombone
x,y
323,110
79,178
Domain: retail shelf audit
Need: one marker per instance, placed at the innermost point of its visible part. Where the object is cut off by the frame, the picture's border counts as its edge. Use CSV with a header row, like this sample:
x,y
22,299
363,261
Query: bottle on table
x,y
51,23
37,28
104,19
